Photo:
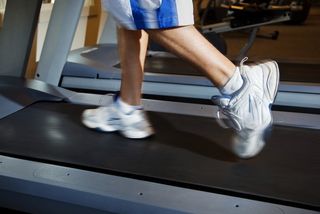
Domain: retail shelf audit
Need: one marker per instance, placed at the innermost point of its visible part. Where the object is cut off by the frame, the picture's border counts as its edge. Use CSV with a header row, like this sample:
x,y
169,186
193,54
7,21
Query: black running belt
x,y
168,65
187,151
99,60
289,71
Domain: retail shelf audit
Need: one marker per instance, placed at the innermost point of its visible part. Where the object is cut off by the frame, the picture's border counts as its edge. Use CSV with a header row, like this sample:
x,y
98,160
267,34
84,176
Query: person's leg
x,y
189,44
248,90
132,51
125,114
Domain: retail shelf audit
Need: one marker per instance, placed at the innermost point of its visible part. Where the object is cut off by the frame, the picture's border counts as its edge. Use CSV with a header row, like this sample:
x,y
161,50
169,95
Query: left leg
x,y
132,50
125,114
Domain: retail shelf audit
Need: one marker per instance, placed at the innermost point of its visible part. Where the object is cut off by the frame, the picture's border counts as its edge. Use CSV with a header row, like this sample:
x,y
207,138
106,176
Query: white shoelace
x,y
232,118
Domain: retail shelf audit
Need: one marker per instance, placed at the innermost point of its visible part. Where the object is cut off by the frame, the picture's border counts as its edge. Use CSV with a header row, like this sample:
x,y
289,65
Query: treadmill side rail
x,y
53,184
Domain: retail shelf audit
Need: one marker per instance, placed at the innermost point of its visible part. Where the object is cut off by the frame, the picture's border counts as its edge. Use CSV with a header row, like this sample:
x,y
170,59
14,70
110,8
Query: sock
x,y
125,107
233,84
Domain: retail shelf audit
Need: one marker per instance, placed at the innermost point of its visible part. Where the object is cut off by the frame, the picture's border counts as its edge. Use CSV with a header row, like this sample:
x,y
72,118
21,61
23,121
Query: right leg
x,y
248,90
189,44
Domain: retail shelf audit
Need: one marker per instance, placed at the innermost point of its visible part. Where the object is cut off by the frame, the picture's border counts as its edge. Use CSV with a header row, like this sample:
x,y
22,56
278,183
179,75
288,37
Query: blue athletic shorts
x,y
150,14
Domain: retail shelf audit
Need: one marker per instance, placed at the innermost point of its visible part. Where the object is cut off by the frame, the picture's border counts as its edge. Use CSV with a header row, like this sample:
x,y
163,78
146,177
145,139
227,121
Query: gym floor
x,y
295,44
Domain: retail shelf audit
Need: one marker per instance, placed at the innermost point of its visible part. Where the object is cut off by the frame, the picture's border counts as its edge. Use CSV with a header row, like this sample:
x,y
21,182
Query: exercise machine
x,y
50,163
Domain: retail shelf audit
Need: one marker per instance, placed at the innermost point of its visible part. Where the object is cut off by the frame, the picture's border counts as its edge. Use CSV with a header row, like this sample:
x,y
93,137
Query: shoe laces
x,y
241,66
224,108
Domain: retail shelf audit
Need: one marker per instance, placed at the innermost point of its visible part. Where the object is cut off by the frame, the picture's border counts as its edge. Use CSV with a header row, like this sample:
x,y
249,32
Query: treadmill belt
x,y
102,57
187,151
292,72
165,65
170,65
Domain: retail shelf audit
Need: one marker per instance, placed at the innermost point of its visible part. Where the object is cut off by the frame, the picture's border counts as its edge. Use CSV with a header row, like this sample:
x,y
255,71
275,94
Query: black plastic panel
x,y
17,93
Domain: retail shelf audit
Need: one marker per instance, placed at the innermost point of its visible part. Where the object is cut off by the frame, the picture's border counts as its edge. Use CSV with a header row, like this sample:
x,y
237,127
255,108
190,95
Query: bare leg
x,y
189,44
132,51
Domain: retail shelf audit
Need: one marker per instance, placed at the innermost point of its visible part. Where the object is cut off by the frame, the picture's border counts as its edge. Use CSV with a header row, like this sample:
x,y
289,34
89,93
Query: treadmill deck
x,y
187,151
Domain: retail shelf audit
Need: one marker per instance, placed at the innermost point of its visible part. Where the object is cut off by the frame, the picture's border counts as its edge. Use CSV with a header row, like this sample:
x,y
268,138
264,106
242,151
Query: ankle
x,y
125,107
233,84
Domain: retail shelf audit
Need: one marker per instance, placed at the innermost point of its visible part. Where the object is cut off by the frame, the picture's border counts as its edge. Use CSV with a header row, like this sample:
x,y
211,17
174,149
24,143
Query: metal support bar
x,y
16,35
62,26
245,49
224,27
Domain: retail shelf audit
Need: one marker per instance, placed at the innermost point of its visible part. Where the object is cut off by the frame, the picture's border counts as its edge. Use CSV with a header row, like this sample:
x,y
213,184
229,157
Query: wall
x,y
2,7
2,4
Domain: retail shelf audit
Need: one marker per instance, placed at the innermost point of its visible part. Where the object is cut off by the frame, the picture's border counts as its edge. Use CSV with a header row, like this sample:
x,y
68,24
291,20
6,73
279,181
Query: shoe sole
x,y
271,84
98,127
136,134
259,146
128,134
272,80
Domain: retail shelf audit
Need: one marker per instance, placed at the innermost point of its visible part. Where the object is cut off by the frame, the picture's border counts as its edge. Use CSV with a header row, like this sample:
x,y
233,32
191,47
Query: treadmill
x,y
50,163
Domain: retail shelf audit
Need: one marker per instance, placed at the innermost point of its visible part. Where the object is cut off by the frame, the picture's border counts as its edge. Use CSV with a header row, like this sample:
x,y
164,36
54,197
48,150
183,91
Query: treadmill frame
x,y
49,188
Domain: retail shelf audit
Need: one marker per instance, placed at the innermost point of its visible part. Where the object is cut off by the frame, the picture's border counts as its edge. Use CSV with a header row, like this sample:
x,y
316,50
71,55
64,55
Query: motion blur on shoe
x,y
249,109
131,123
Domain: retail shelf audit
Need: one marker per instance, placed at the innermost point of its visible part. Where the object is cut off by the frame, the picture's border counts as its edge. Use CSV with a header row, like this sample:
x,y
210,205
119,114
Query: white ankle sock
x,y
233,84
125,107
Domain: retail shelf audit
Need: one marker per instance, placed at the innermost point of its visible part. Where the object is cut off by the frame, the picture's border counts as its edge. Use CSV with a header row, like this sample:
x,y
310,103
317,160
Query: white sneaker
x,y
248,110
134,125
